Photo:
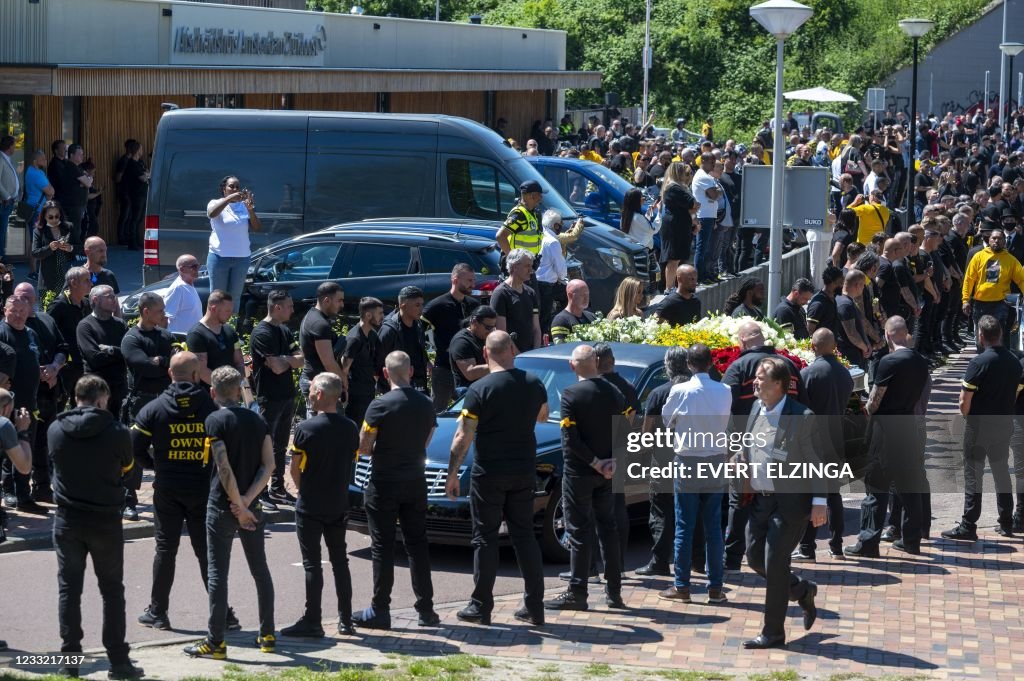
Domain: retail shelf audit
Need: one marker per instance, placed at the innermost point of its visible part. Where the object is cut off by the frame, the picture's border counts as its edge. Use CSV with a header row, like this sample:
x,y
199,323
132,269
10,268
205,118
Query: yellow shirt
x,y
989,275
591,155
870,221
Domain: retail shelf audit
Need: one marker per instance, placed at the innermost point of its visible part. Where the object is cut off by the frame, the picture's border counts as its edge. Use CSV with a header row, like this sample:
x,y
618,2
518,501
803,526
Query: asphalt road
x,y
29,602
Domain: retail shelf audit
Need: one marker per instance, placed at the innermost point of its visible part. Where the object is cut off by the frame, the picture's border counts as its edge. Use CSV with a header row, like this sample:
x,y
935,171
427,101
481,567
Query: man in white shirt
x,y
552,273
780,430
183,307
877,171
698,411
706,191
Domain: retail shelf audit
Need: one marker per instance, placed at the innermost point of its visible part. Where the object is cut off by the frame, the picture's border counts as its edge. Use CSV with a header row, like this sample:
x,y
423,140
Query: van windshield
x,y
522,170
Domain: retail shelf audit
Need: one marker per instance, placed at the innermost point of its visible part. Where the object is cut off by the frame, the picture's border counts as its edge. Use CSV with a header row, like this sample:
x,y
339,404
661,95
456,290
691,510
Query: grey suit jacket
x,y
794,436
9,185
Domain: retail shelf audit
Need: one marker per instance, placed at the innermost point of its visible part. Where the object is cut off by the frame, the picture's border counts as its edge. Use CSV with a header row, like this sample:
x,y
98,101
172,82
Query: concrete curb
x,y
141,529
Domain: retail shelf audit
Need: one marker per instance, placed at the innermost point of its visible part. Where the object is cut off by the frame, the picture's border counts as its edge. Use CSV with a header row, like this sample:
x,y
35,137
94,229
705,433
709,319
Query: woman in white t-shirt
x,y
633,222
231,218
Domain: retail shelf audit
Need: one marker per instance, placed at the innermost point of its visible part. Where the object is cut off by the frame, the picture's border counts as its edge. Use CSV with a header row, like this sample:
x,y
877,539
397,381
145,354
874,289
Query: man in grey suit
x,y
780,509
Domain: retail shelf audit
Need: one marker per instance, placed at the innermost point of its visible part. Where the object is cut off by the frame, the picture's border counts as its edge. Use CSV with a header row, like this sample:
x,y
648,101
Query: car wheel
x,y
554,542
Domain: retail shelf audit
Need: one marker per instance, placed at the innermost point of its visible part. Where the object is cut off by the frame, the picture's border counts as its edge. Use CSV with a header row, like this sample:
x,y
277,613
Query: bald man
x,y
681,306
575,312
96,258
173,424
828,386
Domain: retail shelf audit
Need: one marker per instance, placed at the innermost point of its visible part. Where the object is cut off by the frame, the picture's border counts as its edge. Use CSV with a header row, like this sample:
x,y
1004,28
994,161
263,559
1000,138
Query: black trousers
x,y
1017,447
588,500
310,529
278,415
172,511
552,297
923,328
492,497
987,438
662,522
953,320
736,530
897,462
46,403
221,528
357,406
17,483
777,522
836,526
389,503
76,535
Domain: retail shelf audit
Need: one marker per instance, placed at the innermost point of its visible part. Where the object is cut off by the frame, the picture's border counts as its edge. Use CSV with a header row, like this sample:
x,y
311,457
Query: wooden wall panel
x,y
466,104
262,101
106,123
520,108
46,122
335,101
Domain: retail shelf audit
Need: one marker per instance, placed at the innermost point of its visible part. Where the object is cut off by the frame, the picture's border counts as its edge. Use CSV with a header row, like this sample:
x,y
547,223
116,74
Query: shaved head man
x,y
575,312
681,306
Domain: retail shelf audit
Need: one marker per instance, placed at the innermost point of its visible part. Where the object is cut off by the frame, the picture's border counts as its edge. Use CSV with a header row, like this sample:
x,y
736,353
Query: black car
x,y
365,260
448,522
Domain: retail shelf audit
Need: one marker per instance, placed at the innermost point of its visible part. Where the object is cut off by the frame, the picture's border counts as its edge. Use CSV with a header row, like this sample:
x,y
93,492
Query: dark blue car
x,y
448,522
590,188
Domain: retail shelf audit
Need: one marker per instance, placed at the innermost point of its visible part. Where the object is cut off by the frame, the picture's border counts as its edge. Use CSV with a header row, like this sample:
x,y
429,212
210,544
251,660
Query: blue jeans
x,y
228,274
5,217
705,238
709,505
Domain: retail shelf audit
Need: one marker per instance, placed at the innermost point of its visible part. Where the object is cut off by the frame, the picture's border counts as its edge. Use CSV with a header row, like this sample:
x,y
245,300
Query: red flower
x,y
800,364
723,357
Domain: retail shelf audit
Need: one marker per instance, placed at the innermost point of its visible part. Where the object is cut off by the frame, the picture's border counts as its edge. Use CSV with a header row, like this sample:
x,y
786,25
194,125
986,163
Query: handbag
x,y
26,212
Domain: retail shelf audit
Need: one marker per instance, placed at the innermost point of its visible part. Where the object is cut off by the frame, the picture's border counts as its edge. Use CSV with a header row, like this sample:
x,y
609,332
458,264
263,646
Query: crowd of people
x,y
87,401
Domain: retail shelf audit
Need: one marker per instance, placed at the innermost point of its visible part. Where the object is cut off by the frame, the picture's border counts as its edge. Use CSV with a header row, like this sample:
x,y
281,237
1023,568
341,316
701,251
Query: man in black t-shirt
x,y
588,410
99,342
821,309
895,448
517,304
500,412
317,338
466,350
395,434
987,400
360,363
321,466
447,315
575,313
789,313
404,330
95,250
239,446
69,308
680,306
852,341
275,354
214,341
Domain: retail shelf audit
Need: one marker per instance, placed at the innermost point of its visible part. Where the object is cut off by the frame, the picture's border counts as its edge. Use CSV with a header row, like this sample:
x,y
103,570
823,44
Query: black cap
x,y
1008,214
530,186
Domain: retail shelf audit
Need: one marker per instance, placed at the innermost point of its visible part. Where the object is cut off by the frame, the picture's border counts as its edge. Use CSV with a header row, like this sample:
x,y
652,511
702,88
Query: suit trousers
x,y
588,500
777,522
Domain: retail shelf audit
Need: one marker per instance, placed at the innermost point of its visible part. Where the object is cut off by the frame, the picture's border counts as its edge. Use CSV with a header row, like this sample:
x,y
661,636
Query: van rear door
x,y
366,167
266,153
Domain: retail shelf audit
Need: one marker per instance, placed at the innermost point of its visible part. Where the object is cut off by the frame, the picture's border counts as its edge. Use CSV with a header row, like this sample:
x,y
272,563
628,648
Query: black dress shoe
x,y
473,614
762,642
125,670
524,615
900,545
346,628
653,569
807,603
304,628
858,550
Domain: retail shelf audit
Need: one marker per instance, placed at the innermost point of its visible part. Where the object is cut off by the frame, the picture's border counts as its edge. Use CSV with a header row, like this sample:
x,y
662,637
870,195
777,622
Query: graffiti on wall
x,y
968,104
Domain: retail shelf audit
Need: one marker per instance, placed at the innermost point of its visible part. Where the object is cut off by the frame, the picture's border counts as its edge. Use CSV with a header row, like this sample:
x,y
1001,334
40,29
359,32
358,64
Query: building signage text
x,y
220,41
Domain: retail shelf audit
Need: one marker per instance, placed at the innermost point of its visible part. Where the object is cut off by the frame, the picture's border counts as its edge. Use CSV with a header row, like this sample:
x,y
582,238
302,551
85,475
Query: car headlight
x,y
615,259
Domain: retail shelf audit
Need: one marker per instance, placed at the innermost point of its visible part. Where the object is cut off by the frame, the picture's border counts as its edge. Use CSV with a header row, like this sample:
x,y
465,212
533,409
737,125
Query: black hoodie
x,y
174,423
89,452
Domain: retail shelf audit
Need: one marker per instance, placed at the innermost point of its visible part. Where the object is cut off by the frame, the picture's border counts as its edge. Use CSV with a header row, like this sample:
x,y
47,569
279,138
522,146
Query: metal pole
x,y
1009,85
437,10
931,83
647,61
1020,88
778,177
913,143
1002,74
986,91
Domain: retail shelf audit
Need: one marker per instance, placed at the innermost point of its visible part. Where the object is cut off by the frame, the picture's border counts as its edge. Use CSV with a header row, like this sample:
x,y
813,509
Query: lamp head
x,y
916,28
1011,49
781,18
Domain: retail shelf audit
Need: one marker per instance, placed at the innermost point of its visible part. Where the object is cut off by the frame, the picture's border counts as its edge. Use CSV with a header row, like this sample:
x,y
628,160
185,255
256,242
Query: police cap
x,y
530,186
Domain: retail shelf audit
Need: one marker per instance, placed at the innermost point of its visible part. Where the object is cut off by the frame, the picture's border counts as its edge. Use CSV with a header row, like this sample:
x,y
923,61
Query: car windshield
x,y
523,170
556,375
611,178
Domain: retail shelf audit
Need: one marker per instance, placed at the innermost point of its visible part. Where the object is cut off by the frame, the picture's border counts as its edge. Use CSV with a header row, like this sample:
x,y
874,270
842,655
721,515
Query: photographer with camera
x,y
231,218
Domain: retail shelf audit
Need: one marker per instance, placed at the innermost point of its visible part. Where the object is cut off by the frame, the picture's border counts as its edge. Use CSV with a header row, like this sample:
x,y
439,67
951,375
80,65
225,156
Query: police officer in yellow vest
x,y
522,226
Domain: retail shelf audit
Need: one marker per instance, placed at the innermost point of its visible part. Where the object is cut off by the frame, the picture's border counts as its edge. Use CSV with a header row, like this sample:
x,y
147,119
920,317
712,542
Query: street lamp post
x,y
646,61
1010,50
781,18
915,28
